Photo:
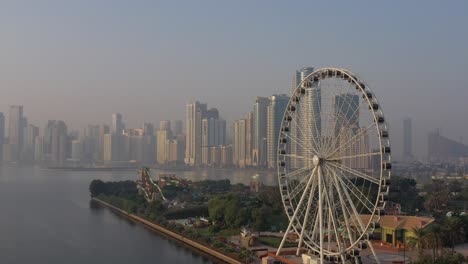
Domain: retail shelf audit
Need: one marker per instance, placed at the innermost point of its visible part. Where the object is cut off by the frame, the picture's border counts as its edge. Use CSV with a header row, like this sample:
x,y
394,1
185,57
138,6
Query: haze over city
x,y
81,61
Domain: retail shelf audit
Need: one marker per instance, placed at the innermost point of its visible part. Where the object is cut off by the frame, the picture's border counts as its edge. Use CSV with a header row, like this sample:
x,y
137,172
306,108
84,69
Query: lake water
x,y
46,217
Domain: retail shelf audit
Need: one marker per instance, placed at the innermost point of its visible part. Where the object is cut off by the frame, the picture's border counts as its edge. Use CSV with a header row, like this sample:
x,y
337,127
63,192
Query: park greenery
x,y
229,207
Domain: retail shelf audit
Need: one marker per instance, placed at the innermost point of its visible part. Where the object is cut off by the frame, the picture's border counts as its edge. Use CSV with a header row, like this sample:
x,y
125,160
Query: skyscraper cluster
x,y
205,137
19,144
207,141
95,145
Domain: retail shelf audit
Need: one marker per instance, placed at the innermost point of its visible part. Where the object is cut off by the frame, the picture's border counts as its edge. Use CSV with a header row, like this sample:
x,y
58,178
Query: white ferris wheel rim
x,y
324,160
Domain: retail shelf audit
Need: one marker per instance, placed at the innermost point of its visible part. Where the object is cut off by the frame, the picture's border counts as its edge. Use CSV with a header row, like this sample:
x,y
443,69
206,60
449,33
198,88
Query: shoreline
x,y
171,234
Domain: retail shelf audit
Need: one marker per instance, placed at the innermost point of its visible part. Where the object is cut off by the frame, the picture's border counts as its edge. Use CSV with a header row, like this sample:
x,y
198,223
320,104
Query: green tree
x,y
97,187
417,240
433,239
454,231
438,197
232,208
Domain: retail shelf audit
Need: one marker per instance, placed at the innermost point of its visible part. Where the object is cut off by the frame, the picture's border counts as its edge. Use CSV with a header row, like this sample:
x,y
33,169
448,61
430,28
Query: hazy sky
x,y
80,61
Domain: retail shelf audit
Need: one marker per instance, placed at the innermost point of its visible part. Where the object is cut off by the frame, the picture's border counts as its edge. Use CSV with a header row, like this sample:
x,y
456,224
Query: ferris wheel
x,y
333,165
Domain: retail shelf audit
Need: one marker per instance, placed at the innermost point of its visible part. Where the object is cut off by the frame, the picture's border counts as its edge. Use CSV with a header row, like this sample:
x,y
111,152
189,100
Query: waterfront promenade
x,y
174,235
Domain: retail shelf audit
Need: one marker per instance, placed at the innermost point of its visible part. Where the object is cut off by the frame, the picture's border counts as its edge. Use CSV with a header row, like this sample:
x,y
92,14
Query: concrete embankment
x,y
165,231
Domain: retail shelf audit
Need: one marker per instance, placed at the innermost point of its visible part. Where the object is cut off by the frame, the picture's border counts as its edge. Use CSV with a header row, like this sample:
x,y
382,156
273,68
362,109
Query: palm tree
x,y
434,239
418,239
453,228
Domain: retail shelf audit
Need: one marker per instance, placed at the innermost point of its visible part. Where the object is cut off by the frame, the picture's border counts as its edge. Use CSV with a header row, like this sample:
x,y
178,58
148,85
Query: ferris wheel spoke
x,y
344,209
350,185
355,172
295,156
309,142
306,216
356,110
296,140
351,141
293,218
358,197
298,171
298,127
332,215
355,191
355,212
356,156
299,187
339,114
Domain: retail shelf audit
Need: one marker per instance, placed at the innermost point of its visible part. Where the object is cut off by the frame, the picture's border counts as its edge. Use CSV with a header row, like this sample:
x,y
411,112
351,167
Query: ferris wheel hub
x,y
316,160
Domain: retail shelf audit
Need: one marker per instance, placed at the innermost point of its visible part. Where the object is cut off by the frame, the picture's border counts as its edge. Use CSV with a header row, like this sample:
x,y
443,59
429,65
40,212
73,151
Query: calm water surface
x,y
46,217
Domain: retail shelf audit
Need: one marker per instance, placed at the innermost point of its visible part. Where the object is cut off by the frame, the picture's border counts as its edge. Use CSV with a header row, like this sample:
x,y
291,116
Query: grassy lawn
x,y
275,241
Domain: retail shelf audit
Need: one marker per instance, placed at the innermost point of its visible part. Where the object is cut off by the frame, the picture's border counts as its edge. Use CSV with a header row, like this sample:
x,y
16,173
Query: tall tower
x,y
259,130
346,127
15,131
275,113
308,109
117,124
239,143
59,144
407,139
248,139
213,134
194,113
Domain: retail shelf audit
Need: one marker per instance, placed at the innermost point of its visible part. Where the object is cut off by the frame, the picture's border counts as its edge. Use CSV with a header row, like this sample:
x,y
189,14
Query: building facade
x,y
275,113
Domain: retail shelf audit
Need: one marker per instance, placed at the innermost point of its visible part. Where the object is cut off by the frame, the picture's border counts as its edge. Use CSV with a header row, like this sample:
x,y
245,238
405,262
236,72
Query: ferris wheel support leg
x,y
306,217
320,208
373,251
295,212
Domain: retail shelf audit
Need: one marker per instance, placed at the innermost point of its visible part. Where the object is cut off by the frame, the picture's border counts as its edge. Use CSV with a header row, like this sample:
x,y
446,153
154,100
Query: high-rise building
x,y
174,151
38,149
226,156
47,140
239,143
136,148
90,144
116,148
103,130
117,124
2,135
15,131
248,138
59,144
32,132
299,76
165,125
213,134
148,129
275,112
259,128
194,113
176,127
407,139
346,111
76,150
162,136
306,127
